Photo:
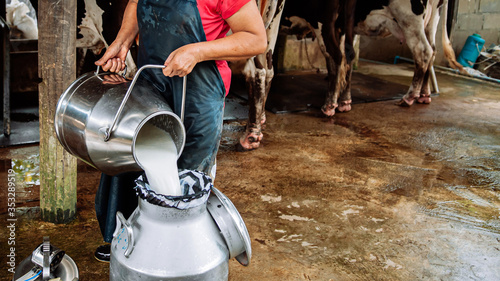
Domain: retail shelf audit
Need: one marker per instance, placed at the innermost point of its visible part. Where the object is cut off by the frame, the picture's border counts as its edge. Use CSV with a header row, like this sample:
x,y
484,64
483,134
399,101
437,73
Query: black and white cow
x,y
412,21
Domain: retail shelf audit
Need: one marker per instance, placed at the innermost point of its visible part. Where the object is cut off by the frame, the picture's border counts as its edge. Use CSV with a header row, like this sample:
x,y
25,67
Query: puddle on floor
x,y
22,177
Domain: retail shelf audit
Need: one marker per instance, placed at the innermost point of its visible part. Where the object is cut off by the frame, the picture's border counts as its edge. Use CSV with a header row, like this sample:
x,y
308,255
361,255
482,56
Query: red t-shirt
x,y
213,15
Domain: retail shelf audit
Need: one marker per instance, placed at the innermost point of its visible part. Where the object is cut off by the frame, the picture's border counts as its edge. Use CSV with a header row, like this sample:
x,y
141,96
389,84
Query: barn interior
x,y
382,192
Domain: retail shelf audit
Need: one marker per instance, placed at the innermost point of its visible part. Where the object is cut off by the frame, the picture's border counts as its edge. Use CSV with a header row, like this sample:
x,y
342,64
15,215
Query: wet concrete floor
x,y
380,193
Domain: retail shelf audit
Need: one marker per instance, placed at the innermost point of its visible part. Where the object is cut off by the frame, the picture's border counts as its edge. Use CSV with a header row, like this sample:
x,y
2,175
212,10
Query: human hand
x,y
113,59
181,61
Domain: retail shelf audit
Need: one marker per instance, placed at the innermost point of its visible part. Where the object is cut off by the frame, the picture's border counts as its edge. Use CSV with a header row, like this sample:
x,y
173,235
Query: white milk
x,y
157,155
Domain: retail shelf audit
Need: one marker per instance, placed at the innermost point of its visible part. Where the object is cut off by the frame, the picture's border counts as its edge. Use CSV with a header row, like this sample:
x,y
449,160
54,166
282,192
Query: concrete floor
x,y
380,193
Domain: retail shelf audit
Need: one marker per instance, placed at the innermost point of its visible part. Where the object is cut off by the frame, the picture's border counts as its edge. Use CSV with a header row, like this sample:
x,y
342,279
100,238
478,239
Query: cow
x,y
411,21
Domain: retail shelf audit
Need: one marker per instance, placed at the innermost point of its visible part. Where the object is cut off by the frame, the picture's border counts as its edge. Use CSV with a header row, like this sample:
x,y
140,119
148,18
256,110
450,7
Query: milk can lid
x,y
231,225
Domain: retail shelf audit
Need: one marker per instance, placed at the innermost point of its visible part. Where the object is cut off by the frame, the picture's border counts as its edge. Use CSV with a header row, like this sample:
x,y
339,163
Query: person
x,y
190,38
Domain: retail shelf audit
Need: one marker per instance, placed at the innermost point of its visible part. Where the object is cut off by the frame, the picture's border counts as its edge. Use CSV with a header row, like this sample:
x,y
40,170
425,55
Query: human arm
x,y
114,57
248,39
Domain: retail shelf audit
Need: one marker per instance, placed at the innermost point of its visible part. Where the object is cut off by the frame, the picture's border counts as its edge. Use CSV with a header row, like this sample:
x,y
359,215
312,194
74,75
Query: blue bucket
x,y
471,50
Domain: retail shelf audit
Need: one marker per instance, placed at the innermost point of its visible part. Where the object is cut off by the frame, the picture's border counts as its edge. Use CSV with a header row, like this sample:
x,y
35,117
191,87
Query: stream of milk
x,y
156,153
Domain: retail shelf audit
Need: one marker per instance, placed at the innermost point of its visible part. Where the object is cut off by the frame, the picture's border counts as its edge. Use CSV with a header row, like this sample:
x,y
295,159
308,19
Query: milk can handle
x,y
105,132
121,221
46,259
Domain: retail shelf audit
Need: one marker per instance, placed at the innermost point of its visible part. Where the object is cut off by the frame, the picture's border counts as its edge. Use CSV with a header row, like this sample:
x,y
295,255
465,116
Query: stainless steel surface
x,y
90,103
46,256
183,105
434,80
231,225
67,270
46,259
169,244
109,129
121,223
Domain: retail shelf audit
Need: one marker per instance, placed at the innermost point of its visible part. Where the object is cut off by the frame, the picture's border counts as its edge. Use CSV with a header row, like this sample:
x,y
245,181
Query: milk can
x,y
179,238
99,116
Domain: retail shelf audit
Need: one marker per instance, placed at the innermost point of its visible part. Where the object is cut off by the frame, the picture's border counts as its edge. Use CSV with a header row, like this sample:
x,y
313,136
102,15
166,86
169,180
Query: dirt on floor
x,y
380,193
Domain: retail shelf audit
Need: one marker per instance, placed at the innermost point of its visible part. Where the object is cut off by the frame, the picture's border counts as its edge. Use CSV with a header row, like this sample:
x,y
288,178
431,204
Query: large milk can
x,y
189,237
99,116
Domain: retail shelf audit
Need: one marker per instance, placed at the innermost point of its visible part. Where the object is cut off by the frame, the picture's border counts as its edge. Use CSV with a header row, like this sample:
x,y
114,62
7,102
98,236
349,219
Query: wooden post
x,y
57,68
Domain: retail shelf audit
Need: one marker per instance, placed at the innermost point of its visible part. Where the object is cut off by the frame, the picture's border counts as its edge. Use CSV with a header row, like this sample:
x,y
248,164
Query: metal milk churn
x,y
188,237
98,117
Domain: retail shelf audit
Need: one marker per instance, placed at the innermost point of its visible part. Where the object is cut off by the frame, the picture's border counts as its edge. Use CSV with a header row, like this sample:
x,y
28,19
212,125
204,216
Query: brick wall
x,y
477,16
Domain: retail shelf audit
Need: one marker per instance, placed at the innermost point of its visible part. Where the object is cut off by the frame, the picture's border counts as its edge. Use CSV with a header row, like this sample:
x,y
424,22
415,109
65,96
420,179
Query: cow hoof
x,y
344,106
424,100
405,103
329,110
249,142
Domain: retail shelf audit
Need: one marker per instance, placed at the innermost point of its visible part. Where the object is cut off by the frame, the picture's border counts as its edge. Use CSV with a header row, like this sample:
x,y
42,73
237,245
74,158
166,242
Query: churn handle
x,y
121,221
124,73
46,259
105,132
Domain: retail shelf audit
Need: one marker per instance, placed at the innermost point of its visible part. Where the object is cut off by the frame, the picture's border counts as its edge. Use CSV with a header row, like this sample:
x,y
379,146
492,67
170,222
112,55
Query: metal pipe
x,y
434,80
184,87
451,70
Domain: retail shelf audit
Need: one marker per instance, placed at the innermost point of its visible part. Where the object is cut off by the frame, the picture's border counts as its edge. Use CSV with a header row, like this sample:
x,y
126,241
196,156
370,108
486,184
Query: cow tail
x,y
447,48
268,11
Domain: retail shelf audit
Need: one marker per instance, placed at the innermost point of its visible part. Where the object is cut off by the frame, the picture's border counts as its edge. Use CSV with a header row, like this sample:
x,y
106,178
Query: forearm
x,y
237,46
130,28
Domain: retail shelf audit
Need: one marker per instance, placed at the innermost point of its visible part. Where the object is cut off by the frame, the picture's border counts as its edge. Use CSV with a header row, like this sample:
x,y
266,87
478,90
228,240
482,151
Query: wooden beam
x,y
57,69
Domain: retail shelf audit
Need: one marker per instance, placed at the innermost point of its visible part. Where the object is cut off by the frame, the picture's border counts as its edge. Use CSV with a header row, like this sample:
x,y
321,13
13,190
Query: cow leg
x,y
329,107
335,78
256,80
348,56
425,94
337,67
345,100
343,93
422,55
259,73
430,33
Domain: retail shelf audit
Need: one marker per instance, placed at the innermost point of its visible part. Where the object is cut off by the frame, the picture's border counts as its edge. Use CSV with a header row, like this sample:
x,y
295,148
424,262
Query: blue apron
x,y
165,25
